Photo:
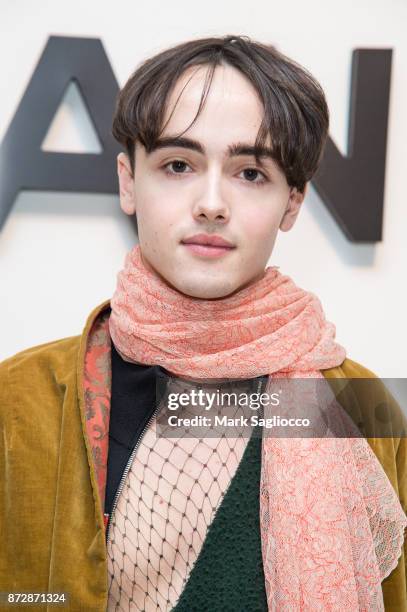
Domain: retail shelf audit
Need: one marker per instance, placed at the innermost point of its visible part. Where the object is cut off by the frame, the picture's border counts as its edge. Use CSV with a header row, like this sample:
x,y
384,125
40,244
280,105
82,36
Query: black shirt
x,y
133,398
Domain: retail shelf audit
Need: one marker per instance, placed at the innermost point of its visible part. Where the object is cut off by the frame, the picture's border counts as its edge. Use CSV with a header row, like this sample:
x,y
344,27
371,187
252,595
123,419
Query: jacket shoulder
x,y
55,353
38,368
46,353
349,369
367,398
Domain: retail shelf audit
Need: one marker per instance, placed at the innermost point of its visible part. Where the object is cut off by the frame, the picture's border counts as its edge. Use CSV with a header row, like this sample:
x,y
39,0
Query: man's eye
x,y
251,174
177,166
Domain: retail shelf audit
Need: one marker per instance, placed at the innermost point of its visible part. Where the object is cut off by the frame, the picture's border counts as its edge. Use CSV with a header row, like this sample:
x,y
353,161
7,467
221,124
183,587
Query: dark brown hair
x,y
296,115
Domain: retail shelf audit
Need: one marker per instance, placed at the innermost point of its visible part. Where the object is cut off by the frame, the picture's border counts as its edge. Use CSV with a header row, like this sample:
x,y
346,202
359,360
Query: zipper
x,y
126,471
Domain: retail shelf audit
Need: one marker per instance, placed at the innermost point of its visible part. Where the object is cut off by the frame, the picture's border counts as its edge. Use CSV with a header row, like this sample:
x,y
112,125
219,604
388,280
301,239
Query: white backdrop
x,y
60,253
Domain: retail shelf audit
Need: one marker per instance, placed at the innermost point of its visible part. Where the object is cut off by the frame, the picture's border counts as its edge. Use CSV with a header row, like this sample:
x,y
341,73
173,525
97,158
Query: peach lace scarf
x,y
332,526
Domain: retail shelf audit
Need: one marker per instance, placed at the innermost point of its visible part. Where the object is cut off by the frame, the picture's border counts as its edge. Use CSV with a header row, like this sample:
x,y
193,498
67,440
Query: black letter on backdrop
x,y
351,186
23,165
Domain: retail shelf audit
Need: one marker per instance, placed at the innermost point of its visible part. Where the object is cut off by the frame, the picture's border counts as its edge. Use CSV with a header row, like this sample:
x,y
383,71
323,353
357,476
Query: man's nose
x,y
211,202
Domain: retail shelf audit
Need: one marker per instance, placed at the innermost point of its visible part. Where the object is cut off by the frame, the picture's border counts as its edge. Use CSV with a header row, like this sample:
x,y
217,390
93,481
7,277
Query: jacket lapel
x,y
94,387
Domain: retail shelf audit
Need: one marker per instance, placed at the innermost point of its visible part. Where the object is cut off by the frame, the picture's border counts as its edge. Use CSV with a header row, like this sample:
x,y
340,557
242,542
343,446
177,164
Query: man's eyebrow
x,y
177,141
242,148
234,150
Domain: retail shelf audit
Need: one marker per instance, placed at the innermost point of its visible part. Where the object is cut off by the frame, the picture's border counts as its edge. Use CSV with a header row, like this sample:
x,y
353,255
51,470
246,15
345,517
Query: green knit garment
x,y
228,574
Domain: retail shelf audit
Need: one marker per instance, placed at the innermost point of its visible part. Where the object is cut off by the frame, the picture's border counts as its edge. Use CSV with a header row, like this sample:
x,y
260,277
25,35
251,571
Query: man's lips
x,y
207,250
208,240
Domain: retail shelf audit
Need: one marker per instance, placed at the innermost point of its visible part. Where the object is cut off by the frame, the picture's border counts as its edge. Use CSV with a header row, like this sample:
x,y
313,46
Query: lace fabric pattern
x,y
358,522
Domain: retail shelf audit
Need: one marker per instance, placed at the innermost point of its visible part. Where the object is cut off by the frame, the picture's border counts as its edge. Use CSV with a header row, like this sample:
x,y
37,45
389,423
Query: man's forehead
x,y
226,122
227,92
195,78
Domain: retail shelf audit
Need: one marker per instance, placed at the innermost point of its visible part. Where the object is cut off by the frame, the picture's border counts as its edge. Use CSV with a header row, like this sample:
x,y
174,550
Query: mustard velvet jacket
x,y
54,416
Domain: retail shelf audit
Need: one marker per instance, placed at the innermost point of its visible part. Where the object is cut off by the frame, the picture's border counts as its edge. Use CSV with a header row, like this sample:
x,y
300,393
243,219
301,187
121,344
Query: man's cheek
x,y
259,226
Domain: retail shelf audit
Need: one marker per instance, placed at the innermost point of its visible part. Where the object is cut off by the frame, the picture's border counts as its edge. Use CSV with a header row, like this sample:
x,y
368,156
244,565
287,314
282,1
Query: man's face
x,y
179,192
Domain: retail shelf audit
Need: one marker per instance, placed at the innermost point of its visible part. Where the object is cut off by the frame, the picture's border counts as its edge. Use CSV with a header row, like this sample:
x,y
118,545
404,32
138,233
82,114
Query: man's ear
x,y
126,184
293,208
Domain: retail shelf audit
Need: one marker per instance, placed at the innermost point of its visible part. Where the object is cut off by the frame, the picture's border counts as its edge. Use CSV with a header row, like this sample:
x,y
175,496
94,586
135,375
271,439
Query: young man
x,y
221,137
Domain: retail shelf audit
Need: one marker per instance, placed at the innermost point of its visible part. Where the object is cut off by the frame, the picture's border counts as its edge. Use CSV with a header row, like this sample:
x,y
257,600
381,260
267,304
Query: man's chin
x,y
204,290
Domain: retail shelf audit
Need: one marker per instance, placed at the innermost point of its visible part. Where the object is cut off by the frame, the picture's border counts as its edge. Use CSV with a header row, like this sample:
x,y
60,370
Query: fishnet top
x,y
169,499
